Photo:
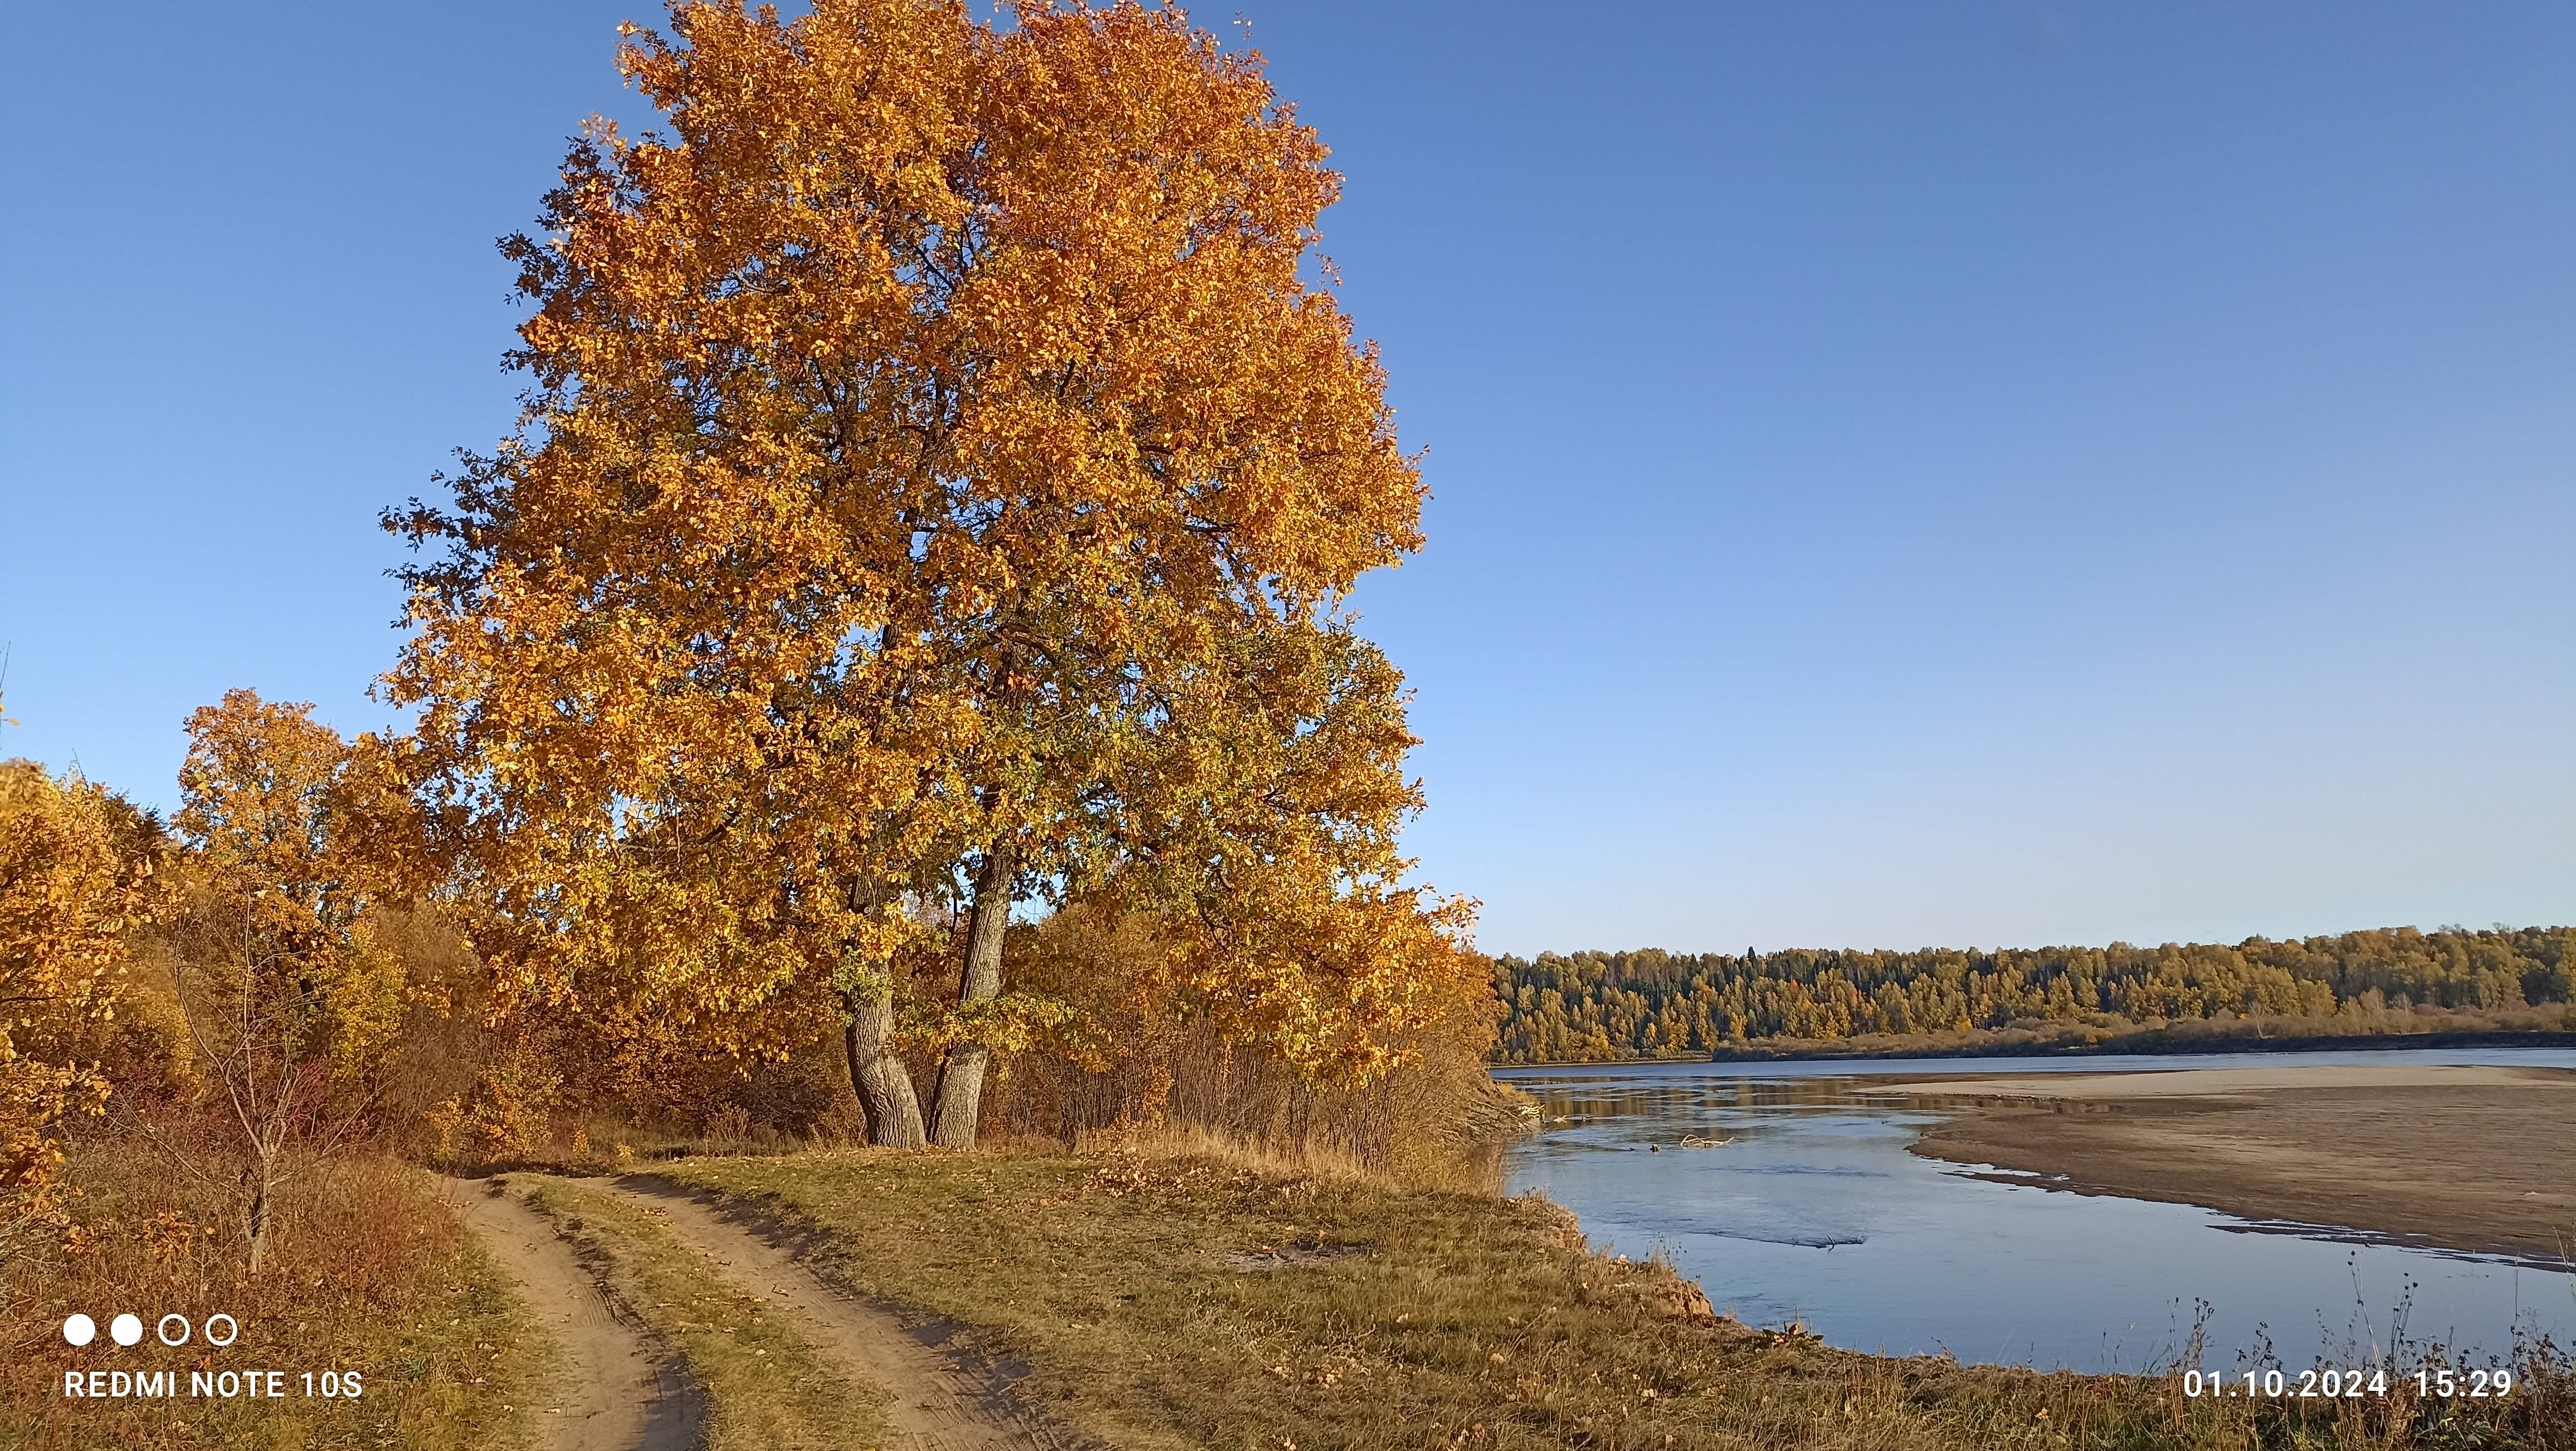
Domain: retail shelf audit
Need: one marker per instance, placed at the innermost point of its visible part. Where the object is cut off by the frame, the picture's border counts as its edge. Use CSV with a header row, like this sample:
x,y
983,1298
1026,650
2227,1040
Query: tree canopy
x,y
938,488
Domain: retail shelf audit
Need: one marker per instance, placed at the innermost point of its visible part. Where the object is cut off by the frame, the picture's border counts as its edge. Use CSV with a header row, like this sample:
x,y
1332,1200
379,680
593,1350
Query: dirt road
x,y
942,1402
621,1393
625,1394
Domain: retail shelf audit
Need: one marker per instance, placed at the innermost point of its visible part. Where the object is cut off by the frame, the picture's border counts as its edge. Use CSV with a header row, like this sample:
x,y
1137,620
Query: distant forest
x,y
1594,1006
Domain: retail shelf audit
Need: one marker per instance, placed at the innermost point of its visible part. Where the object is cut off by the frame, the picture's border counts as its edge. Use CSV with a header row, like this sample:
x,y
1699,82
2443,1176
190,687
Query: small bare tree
x,y
268,1037
290,1004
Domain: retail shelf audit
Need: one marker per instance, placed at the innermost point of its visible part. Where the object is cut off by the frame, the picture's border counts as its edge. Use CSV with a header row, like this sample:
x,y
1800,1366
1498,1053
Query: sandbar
x,y
2481,1159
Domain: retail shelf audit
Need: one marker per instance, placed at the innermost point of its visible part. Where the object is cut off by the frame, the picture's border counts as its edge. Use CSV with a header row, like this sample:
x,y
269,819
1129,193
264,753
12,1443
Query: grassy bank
x,y
1205,1302
371,1274
1155,1300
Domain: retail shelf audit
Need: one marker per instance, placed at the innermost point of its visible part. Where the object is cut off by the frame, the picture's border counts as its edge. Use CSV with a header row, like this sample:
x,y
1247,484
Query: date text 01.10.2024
x,y
2329,1383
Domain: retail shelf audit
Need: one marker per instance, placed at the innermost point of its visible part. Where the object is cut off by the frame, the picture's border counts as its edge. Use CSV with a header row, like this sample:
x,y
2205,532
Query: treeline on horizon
x,y
1595,1006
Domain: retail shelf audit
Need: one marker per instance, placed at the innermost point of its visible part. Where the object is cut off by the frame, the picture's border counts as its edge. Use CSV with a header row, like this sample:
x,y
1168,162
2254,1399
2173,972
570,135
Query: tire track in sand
x,y
941,1402
621,1393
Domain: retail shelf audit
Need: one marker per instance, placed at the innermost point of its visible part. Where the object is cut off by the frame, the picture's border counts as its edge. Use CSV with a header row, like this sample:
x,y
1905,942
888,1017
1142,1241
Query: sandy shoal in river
x,y
2468,1158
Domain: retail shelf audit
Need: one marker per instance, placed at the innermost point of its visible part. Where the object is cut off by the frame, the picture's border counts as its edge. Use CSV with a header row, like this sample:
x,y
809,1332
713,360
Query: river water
x,y
1815,1213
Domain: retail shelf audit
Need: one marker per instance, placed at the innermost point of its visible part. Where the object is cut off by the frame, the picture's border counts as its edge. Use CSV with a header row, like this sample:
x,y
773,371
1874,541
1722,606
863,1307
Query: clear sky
x,y
1905,474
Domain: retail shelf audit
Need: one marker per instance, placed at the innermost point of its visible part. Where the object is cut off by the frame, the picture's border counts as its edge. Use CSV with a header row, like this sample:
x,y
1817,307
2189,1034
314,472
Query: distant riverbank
x,y
1653,1004
2154,1042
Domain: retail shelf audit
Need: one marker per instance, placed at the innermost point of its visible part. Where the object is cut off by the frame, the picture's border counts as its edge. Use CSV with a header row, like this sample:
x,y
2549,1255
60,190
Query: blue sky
x,y
1904,474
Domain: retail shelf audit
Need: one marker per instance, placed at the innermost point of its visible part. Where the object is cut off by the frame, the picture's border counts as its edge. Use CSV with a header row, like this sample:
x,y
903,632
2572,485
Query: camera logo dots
x,y
127,1329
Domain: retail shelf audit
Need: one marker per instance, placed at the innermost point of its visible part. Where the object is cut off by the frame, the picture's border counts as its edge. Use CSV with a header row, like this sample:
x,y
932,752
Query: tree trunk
x,y
883,1084
959,1100
263,1206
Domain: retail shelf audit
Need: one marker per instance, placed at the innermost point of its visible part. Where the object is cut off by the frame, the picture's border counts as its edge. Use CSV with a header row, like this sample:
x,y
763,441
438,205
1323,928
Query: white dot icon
x,y
126,1329
80,1330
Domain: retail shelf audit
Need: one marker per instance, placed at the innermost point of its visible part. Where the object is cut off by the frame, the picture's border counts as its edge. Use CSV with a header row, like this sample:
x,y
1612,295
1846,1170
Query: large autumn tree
x,y
938,487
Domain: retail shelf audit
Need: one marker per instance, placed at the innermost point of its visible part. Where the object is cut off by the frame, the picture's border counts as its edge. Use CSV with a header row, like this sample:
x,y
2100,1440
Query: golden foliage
x,y
76,874
1141,1059
938,484
507,1115
293,996
277,948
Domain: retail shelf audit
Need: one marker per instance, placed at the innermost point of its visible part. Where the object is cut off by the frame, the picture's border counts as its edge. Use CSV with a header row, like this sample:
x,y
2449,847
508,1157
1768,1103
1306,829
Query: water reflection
x,y
1813,1211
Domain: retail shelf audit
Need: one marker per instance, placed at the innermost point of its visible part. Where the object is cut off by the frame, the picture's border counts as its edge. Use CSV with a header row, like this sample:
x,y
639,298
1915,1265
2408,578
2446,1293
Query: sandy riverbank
x,y
2479,1158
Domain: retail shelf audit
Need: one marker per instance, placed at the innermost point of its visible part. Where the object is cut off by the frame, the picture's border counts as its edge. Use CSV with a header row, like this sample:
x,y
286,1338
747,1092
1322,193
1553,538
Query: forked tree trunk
x,y
959,1100
882,1082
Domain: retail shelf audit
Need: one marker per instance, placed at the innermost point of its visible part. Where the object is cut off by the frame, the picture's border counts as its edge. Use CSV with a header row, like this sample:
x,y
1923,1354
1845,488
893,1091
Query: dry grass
x,y
766,1387
371,1274
1221,1302
1315,1159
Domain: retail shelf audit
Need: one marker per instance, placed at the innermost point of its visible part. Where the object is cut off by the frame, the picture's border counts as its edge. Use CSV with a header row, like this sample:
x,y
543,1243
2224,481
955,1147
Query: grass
x,y
1203,1301
1193,1297
766,1387
371,1274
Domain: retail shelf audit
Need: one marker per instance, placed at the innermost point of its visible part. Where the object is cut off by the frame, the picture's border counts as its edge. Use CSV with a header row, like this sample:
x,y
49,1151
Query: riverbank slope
x,y
1147,1302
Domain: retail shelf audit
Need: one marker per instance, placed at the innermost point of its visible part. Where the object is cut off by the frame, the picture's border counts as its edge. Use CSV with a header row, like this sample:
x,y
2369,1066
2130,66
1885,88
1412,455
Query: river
x,y
1814,1213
